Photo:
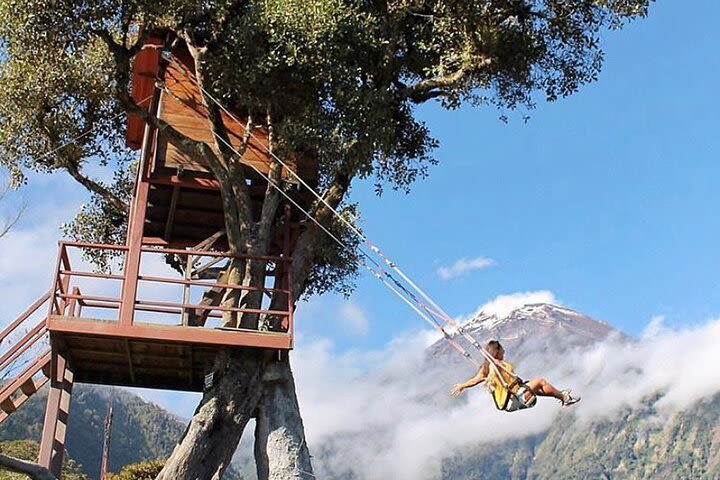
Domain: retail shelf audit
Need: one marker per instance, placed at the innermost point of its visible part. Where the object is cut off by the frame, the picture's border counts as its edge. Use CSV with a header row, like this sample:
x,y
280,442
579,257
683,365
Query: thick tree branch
x,y
122,80
33,470
231,173
95,187
433,87
272,195
307,244
441,86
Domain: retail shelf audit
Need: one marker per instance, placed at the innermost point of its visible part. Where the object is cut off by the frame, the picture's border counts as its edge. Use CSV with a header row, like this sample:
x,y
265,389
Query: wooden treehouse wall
x,y
183,204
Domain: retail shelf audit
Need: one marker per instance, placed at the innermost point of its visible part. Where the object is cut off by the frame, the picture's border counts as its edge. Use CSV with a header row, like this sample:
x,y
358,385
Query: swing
x,y
508,391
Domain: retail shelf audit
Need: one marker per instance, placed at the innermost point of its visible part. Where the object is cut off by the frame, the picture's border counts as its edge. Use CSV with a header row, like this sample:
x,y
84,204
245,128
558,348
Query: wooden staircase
x,y
23,355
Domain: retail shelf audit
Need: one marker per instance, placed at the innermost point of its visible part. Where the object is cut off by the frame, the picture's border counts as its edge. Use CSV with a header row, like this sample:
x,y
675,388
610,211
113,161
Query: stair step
x,y
8,406
22,398
25,384
29,387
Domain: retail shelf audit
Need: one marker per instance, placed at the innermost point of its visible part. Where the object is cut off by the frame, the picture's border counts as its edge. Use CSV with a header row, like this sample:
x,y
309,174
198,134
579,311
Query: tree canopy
x,y
341,78
338,80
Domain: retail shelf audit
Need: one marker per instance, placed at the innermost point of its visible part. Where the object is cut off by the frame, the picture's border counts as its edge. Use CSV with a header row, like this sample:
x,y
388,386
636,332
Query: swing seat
x,y
509,391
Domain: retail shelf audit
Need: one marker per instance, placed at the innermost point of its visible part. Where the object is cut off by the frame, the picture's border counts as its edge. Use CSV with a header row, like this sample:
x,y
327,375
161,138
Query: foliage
x,y
335,268
631,445
341,78
28,450
141,430
146,470
100,221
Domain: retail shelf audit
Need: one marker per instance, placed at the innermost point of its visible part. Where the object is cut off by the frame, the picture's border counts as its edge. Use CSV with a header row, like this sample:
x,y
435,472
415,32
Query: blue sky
x,y
606,199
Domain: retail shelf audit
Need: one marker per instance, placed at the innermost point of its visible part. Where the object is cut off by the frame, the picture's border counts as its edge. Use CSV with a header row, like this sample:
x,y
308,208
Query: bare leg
x,y
543,388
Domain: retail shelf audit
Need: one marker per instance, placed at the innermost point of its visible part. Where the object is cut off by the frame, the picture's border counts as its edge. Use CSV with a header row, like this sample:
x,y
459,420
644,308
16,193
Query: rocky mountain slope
x,y
528,331
141,430
634,446
634,443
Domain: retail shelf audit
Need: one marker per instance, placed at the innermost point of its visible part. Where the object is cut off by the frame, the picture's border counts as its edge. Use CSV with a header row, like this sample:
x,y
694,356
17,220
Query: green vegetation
x,y
146,470
28,450
635,445
337,80
141,430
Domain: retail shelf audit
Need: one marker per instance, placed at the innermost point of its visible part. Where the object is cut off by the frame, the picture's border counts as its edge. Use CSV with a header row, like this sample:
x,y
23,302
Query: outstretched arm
x,y
477,379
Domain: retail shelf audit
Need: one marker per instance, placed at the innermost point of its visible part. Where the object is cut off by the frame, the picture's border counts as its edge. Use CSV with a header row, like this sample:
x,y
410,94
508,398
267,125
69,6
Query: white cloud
x,y
464,266
354,319
383,413
27,263
332,316
502,305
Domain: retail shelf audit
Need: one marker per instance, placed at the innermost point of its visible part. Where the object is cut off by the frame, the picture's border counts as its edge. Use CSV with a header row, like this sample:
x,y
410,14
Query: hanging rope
x,y
439,313
377,272
436,312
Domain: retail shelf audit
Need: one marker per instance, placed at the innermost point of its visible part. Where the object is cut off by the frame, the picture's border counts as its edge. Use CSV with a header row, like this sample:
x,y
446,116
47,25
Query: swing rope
x,y
433,312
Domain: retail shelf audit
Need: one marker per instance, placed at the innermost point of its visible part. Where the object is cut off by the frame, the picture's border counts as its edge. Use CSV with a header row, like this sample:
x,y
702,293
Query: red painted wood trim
x,y
163,333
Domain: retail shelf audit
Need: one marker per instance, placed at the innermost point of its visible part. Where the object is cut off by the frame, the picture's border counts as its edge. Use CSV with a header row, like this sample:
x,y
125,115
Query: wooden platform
x,y
147,355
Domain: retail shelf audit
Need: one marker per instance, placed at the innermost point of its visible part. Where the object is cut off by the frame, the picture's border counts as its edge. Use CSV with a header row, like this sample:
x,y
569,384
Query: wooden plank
x,y
185,335
150,381
145,68
196,232
106,344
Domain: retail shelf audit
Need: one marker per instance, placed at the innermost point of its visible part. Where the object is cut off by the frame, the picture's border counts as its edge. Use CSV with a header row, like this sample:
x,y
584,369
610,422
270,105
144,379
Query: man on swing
x,y
509,392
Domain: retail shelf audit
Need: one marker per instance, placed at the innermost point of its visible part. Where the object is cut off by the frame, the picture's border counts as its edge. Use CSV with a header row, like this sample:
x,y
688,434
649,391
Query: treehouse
x,y
157,320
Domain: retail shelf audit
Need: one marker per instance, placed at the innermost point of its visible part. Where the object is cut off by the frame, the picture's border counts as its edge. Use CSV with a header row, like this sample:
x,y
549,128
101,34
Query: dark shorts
x,y
517,401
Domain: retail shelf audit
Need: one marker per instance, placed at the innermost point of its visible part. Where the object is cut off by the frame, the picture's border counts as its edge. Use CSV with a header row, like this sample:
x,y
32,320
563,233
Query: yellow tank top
x,y
498,386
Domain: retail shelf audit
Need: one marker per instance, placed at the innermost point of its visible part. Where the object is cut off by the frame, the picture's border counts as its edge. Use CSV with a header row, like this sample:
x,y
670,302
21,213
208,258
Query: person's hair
x,y
493,347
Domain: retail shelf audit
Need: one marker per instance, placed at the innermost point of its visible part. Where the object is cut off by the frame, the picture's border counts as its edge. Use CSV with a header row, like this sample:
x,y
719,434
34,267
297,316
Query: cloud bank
x,y
387,413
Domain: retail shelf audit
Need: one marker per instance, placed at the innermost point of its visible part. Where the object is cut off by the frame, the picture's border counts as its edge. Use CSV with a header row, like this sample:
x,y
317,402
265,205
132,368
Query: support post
x,y
57,412
136,222
132,259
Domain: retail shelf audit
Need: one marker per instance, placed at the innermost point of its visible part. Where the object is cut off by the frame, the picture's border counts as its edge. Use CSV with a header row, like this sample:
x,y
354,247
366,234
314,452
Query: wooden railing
x,y
163,294
23,341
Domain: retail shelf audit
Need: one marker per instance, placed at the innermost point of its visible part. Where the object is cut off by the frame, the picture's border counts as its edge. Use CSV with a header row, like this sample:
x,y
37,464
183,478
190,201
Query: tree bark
x,y
33,470
213,434
281,451
215,430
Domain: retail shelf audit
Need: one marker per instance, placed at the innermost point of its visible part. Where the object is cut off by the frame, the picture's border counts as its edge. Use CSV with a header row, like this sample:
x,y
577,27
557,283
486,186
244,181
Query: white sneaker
x,y
569,398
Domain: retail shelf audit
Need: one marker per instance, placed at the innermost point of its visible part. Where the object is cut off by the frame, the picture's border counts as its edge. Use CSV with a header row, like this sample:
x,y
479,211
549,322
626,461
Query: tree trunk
x,y
33,470
215,430
281,452
231,297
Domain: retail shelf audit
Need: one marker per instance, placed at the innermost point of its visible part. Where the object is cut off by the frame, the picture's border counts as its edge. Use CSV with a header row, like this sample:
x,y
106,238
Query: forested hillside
x,y
141,430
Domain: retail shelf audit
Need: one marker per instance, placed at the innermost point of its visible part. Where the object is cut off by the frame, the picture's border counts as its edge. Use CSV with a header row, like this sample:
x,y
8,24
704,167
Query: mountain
x,y
632,445
425,427
527,330
141,430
